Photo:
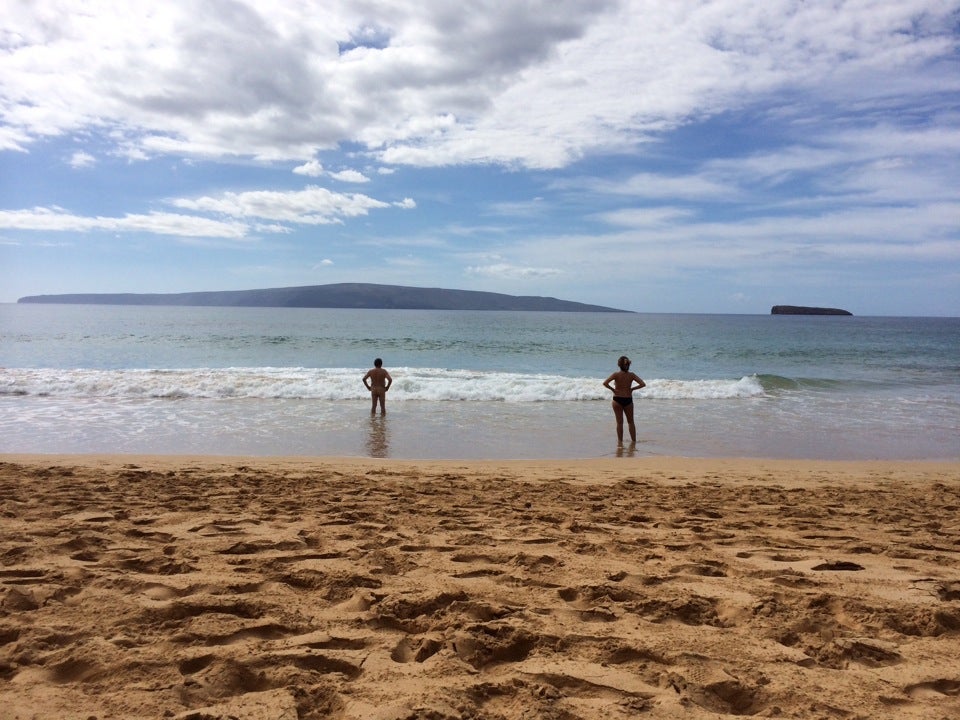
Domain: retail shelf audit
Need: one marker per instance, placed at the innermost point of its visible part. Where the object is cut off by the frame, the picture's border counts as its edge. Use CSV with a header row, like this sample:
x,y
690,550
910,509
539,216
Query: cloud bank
x,y
537,84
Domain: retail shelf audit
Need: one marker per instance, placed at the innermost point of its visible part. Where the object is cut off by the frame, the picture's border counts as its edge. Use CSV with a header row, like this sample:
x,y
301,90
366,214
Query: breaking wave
x,y
332,384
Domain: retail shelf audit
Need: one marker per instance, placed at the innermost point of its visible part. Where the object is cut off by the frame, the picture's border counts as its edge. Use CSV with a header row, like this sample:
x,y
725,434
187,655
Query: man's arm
x,y
365,378
389,380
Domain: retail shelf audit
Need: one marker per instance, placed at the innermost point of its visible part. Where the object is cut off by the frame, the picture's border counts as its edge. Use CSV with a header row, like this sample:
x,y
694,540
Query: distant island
x,y
338,295
802,310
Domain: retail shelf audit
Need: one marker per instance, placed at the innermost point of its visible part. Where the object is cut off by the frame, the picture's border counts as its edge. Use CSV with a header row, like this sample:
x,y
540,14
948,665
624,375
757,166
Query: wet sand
x,y
255,588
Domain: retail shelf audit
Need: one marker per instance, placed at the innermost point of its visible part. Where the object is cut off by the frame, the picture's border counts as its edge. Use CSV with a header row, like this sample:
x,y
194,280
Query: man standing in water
x,y
623,386
378,381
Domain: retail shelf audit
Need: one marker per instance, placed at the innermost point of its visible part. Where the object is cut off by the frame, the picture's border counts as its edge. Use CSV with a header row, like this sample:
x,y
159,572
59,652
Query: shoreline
x,y
187,586
665,468
158,459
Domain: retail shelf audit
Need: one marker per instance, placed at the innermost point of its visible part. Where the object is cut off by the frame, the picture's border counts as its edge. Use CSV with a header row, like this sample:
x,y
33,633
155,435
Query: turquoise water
x,y
264,381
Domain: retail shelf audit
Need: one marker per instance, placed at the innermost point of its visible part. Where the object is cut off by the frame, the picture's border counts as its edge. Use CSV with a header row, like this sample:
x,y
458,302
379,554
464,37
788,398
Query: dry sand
x,y
203,588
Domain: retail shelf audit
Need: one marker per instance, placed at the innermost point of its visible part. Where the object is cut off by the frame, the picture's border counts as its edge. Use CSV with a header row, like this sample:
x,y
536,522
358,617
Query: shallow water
x,y
268,381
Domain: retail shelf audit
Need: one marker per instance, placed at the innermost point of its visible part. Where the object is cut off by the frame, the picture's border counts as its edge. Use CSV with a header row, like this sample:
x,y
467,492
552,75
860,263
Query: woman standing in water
x,y
621,383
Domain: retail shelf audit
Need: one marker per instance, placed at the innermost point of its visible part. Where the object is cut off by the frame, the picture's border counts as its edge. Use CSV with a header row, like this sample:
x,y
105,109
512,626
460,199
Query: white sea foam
x,y
430,384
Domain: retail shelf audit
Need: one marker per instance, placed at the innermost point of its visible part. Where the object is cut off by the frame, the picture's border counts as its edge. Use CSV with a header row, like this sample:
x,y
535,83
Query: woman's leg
x,y
628,410
618,413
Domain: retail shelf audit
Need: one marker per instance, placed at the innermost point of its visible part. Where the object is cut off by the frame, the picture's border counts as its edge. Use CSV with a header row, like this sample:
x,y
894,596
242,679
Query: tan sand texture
x,y
208,588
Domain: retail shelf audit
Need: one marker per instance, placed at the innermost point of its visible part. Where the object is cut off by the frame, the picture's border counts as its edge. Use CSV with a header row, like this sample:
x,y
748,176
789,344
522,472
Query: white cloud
x,y
537,84
656,217
654,66
867,234
659,186
272,228
918,162
55,219
311,206
512,272
312,169
81,159
350,176
521,208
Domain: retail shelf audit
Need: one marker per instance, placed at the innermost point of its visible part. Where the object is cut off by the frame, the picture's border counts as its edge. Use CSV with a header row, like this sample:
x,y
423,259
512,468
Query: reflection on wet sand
x,y
378,443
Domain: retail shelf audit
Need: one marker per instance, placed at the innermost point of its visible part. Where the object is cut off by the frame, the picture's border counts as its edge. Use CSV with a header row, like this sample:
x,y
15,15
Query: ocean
x,y
473,385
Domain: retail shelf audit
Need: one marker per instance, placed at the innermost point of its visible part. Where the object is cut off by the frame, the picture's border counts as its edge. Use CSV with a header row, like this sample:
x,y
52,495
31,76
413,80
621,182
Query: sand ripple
x,y
228,589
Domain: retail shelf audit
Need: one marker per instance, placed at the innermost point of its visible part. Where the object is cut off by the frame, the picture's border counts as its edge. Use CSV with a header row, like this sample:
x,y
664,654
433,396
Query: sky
x,y
659,156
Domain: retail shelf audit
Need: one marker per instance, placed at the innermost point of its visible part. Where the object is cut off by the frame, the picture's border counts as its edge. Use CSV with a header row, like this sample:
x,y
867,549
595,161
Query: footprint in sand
x,y
934,688
75,670
839,565
949,591
713,688
23,576
706,568
486,644
416,649
868,652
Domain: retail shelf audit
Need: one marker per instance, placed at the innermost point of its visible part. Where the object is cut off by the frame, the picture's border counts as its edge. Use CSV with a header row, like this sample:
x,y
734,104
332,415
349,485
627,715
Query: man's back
x,y
378,377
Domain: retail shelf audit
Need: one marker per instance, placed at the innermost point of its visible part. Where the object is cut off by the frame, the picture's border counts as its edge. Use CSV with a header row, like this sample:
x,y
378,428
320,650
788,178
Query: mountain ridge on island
x,y
367,296
804,310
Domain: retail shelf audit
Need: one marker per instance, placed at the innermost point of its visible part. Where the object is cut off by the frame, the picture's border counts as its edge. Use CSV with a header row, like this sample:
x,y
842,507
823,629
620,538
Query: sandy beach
x,y
255,588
